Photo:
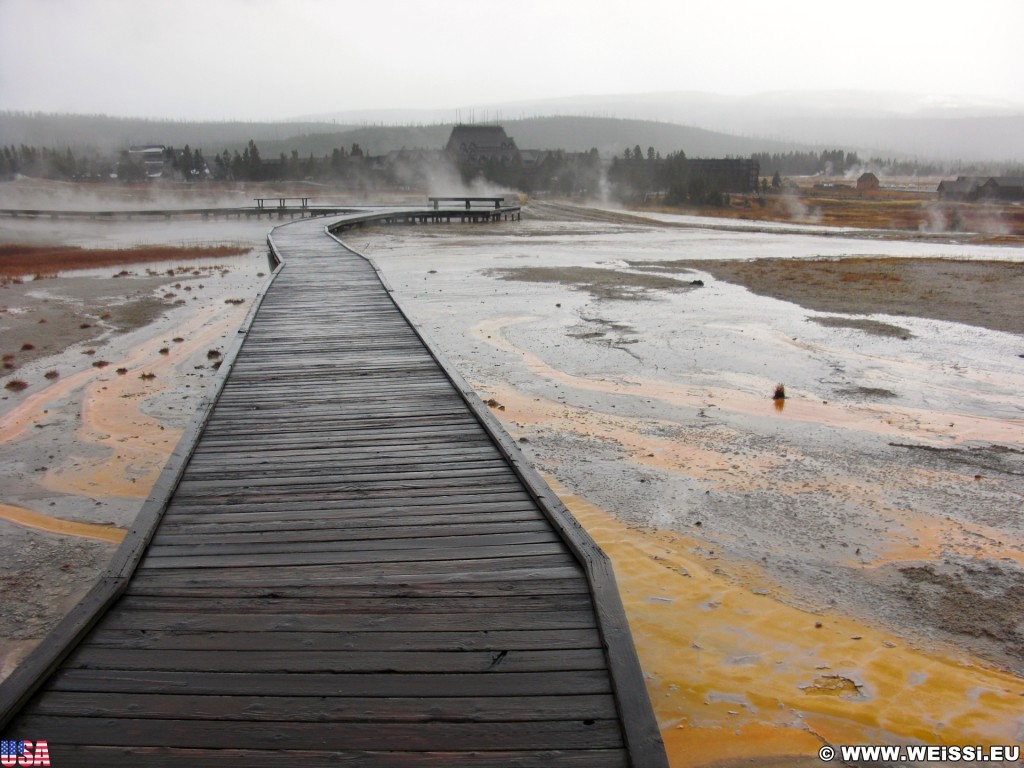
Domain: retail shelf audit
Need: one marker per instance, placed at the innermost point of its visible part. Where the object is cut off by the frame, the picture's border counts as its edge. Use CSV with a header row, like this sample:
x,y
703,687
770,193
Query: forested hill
x,y
106,134
613,135
609,135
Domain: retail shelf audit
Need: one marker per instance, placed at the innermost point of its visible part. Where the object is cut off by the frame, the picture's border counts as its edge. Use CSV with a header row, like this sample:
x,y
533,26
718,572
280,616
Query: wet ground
x,y
844,565
883,495
115,371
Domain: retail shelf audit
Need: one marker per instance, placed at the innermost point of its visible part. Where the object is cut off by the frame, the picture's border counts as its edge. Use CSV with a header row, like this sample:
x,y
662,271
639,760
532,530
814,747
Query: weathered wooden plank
x,y
333,710
498,662
485,471
343,622
157,559
258,456
343,536
505,639
414,685
340,551
275,580
216,734
391,596
544,567
384,433
165,757
324,428
338,490
203,508
353,524
342,603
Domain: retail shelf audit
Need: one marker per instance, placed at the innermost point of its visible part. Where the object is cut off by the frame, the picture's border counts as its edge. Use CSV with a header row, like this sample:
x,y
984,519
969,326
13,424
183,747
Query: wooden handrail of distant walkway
x,y
467,200
281,201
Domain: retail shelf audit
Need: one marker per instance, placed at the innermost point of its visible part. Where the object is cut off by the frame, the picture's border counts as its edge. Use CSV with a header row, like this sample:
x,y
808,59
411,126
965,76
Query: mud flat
x,y
846,565
103,370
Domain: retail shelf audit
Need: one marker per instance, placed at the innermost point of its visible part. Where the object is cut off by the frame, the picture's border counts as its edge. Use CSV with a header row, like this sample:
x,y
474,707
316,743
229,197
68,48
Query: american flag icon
x,y
12,748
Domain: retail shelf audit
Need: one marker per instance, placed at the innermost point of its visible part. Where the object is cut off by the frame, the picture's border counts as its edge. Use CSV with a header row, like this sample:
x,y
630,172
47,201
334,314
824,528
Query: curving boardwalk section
x,y
354,568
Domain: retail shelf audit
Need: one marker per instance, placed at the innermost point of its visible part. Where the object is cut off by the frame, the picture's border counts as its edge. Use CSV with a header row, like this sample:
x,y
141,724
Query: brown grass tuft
x,y
19,259
16,385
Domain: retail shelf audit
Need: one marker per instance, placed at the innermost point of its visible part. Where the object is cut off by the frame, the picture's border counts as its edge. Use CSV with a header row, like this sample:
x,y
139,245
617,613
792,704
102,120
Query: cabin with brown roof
x,y
867,182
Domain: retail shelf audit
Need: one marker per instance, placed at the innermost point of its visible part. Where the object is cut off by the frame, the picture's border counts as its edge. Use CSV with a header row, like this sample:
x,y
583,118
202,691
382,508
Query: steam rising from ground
x,y
37,194
799,211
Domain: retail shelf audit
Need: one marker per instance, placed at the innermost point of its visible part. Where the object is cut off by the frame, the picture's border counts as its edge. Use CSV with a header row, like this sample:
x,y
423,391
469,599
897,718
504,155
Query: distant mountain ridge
x,y
702,125
925,126
575,134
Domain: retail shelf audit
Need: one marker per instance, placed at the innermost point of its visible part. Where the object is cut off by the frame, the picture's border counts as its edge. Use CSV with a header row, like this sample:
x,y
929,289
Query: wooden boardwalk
x,y
355,567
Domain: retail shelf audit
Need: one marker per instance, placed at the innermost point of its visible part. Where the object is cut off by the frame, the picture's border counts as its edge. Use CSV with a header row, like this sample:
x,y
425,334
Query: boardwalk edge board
x,y
640,729
43,660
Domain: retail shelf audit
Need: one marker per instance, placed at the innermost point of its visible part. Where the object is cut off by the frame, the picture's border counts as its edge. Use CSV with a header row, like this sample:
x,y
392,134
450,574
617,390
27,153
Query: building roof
x,y
473,139
1006,181
970,185
962,184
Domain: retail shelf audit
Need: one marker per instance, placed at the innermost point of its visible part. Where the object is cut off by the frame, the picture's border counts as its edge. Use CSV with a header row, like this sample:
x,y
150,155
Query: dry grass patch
x,y
981,293
18,260
841,206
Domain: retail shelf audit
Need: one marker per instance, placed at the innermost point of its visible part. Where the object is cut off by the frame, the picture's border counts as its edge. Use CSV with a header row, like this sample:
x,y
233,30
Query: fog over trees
x,y
622,159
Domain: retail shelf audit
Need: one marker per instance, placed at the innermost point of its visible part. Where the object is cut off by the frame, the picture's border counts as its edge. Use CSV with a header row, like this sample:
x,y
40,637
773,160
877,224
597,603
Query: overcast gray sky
x,y
274,59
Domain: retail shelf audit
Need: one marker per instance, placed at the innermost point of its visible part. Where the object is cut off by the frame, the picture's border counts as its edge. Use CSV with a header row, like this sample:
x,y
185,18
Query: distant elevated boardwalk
x,y
355,567
468,201
298,207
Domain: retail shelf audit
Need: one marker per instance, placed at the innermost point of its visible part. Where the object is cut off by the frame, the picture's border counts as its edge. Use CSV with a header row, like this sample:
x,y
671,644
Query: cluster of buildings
x,y
970,188
480,145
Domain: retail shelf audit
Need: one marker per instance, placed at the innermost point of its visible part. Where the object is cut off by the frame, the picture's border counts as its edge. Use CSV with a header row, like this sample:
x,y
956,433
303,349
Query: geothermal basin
x,y
845,565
